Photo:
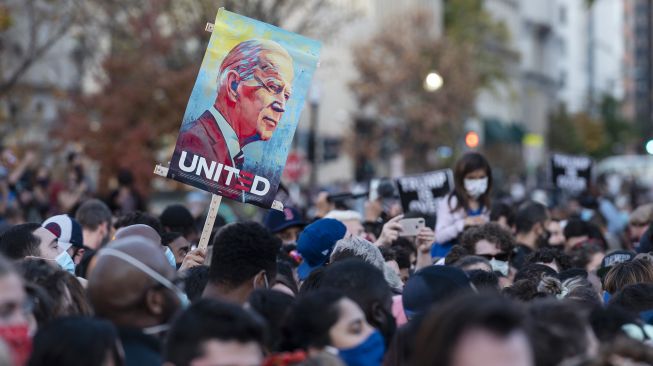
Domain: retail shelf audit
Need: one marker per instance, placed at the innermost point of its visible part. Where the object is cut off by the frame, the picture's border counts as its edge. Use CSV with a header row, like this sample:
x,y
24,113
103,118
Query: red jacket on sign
x,y
204,138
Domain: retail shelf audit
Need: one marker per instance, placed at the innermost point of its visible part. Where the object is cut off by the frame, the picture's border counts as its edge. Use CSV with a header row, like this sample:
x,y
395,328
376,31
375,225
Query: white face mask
x,y
66,262
171,258
499,266
475,187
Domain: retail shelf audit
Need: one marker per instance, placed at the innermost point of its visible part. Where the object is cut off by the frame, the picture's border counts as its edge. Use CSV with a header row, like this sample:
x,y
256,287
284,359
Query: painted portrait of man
x,y
254,84
244,109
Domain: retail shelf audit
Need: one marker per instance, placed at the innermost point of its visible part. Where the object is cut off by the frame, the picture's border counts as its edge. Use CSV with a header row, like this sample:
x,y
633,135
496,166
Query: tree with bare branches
x,y
147,77
397,114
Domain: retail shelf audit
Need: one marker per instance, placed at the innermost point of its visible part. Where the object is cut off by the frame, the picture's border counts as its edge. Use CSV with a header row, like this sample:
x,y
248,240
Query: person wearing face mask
x,y
328,321
14,312
191,259
33,240
492,242
177,244
468,205
29,240
244,259
70,239
133,286
366,285
531,227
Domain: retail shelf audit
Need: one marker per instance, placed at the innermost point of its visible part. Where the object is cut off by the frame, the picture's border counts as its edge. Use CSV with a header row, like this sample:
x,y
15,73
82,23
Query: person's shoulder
x,y
449,201
201,128
199,124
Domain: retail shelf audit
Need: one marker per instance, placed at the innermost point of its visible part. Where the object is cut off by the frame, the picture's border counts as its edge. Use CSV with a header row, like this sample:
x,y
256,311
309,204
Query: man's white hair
x,y
246,56
344,215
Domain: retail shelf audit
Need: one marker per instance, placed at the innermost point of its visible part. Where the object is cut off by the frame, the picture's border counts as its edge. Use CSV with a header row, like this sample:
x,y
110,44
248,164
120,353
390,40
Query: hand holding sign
x,y
194,258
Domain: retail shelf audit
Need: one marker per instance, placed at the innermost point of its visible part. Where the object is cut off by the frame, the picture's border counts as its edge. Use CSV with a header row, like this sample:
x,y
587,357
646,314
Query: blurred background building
x,y
527,76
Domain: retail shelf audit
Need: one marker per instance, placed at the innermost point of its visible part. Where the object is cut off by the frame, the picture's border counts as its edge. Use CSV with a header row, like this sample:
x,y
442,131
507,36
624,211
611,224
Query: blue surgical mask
x,y
171,258
368,353
500,266
66,262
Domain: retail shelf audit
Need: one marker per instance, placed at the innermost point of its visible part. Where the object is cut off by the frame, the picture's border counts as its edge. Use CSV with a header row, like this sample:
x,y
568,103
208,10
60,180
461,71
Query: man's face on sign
x,y
262,99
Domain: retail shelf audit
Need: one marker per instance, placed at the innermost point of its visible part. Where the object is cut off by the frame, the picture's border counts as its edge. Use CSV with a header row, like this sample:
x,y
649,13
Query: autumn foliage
x,y
392,67
147,81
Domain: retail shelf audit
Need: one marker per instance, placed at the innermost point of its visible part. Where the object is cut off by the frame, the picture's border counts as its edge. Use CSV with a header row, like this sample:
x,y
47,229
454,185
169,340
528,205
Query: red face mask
x,y
17,339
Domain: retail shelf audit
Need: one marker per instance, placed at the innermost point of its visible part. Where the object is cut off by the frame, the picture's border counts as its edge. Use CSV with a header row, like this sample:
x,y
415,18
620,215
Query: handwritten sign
x,y
571,173
421,193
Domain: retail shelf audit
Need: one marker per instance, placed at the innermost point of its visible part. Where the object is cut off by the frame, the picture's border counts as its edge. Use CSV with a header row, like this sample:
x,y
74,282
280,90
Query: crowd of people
x,y
486,282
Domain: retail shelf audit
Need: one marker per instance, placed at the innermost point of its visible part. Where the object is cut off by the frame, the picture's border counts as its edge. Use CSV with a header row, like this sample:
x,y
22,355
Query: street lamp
x,y
433,81
649,147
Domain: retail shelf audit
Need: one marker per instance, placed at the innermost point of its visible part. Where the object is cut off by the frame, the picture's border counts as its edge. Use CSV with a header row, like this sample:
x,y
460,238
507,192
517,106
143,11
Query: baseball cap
x,y
616,257
277,221
67,230
432,285
316,243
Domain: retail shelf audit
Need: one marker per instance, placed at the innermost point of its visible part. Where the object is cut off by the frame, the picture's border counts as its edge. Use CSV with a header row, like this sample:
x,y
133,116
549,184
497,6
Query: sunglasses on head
x,y
499,256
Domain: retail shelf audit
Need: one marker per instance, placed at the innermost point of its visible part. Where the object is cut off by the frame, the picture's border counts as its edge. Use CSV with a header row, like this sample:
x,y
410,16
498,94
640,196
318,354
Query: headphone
x,y
234,85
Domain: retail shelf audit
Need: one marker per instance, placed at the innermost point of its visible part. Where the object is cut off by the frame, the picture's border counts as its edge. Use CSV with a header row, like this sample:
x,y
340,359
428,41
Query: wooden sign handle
x,y
210,220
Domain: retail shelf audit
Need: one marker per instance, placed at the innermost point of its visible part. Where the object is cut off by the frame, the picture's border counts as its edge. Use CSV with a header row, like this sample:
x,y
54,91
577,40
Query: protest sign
x,y
571,173
421,193
244,109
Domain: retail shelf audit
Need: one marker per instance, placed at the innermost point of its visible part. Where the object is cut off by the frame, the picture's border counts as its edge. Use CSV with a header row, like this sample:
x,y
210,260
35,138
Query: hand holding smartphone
x,y
411,227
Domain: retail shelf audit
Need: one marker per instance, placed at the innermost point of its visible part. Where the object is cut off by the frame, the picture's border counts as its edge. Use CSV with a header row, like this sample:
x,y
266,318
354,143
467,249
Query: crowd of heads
x,y
489,281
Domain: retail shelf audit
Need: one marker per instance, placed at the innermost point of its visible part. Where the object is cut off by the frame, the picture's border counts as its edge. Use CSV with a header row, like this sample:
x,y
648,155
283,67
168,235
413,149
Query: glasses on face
x,y
499,256
273,86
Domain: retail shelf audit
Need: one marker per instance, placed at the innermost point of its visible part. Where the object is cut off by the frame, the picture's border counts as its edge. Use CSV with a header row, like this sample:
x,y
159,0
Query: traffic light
x,y
472,139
